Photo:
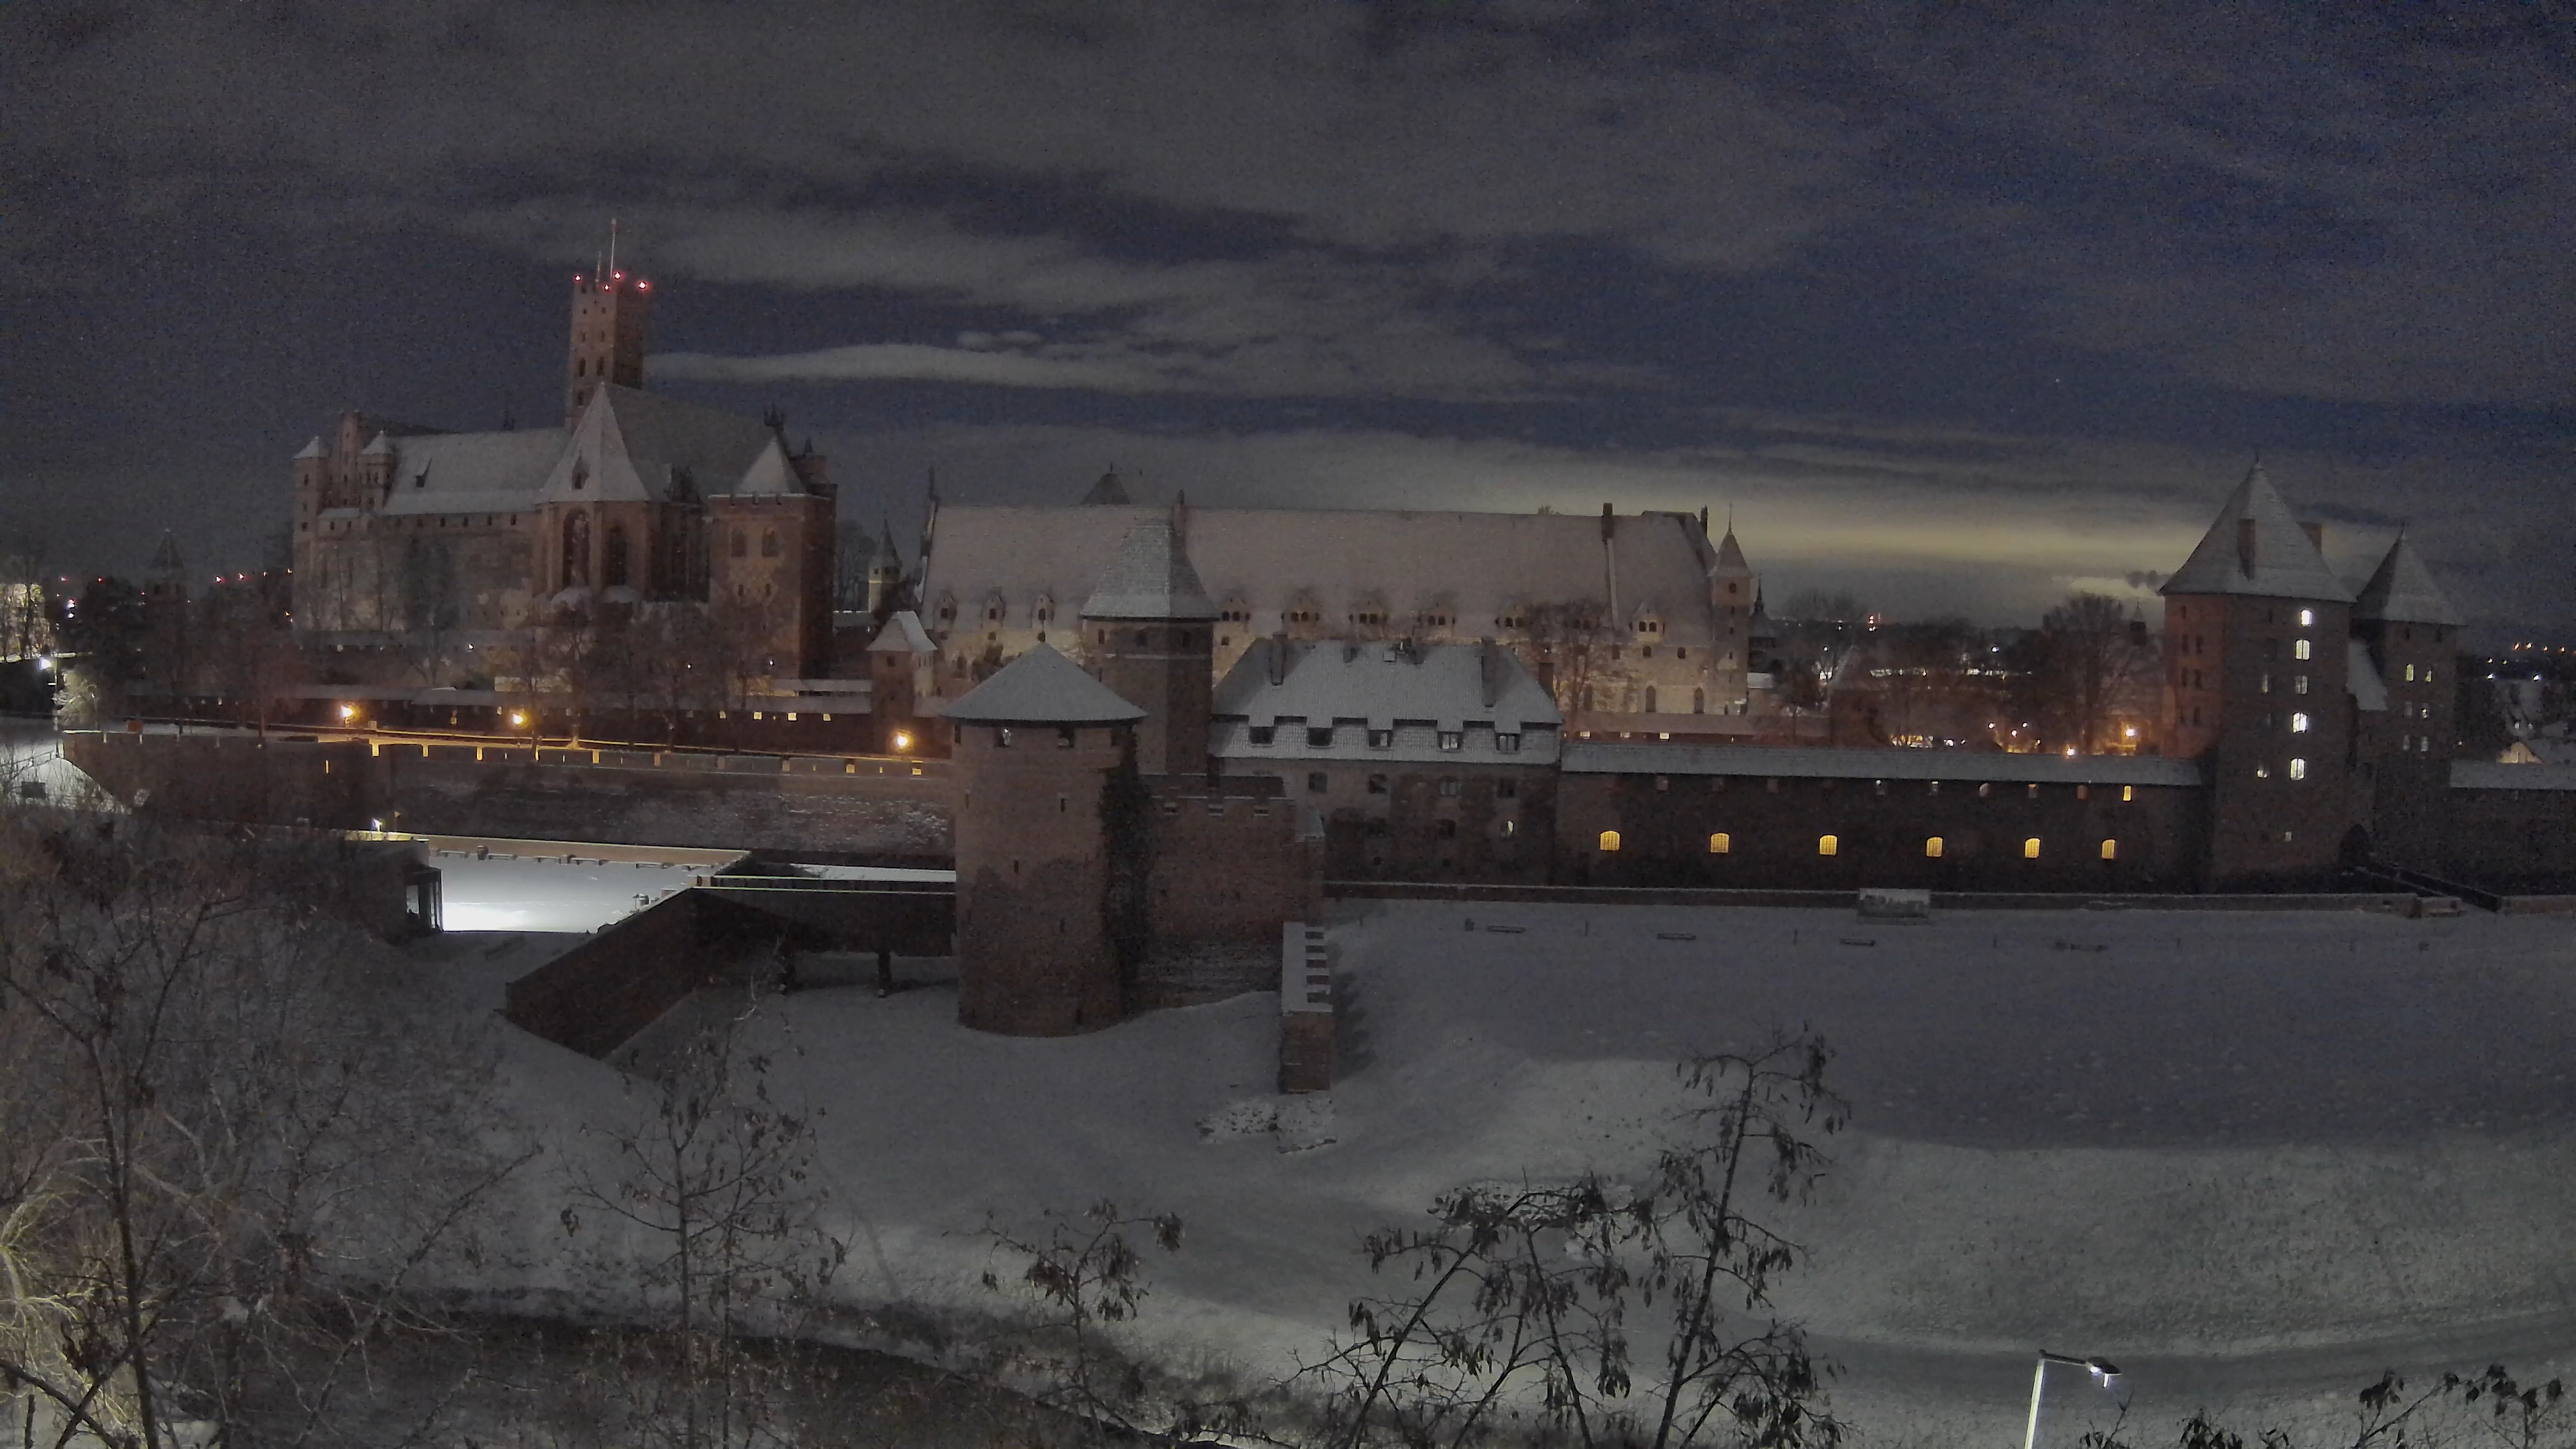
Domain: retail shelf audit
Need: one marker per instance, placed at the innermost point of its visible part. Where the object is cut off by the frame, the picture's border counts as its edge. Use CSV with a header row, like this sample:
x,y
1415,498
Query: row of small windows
x,y
1985,790
1320,737
1723,843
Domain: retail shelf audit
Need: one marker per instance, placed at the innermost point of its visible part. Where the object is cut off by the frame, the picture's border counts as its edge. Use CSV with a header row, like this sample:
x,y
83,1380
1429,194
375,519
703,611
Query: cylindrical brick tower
x,y
1041,753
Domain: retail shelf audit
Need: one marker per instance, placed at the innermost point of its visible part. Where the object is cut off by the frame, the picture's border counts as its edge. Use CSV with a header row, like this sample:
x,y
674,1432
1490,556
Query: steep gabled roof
x,y
628,443
903,634
2402,591
312,449
1730,554
2255,546
472,472
1150,578
1042,687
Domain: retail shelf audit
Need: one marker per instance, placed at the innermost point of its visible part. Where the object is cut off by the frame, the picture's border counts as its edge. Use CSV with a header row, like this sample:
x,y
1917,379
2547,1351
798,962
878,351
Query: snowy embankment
x,y
2254,1157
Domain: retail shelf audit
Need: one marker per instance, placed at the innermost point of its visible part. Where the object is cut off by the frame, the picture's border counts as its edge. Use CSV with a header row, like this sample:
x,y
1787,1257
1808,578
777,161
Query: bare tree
x,y
714,1177
1522,1297
1084,1278
230,1154
2090,654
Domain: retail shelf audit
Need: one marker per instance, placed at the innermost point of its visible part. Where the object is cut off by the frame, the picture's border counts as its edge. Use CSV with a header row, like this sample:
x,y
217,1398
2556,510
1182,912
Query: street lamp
x,y
2102,1370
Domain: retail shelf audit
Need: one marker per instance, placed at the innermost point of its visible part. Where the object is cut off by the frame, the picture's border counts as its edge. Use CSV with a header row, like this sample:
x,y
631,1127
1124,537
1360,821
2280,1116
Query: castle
x,y
1111,821
635,500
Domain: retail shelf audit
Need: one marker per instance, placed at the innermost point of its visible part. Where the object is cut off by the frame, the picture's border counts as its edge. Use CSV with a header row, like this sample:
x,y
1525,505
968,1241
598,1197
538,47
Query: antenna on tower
x,y
612,248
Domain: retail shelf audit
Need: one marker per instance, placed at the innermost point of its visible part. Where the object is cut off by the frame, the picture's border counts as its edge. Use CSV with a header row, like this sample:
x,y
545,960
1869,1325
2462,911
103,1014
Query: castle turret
x,y
1734,592
2409,629
1150,628
609,311
1041,752
2258,634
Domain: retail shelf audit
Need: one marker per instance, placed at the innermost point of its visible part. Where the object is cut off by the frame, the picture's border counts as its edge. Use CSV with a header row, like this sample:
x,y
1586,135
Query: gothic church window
x,y
612,565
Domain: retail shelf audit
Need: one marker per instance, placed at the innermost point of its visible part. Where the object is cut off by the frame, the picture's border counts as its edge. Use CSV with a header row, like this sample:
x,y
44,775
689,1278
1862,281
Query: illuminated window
x,y
1609,840
2110,850
1932,848
2307,620
1828,844
2298,769
2128,792
2262,772
2410,674
2299,685
2428,674
2030,848
1720,843
2298,724
2299,650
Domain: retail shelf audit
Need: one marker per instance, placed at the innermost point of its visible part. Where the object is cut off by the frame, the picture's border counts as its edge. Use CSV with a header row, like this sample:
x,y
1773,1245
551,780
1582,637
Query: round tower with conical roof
x,y
1043,781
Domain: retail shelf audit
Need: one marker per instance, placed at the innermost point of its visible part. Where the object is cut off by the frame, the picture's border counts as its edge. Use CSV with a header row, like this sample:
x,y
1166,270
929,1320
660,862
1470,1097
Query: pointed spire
x,y
312,449
2255,546
1151,578
2402,591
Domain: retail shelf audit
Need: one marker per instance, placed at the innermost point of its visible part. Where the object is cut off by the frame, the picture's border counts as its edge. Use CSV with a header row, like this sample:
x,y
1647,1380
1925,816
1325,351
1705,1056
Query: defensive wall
x,y
1225,865
818,807
596,996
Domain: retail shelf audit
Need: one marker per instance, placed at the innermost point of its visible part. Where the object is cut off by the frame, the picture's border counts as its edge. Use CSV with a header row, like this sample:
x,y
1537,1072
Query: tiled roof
x,y
1150,578
2273,558
2402,591
1473,567
472,472
1041,687
1441,685
1598,757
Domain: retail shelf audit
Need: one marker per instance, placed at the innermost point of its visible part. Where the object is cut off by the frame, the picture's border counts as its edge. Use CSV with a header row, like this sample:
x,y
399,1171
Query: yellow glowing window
x,y
2299,650
2298,724
2298,769
1720,843
2410,674
2110,850
2030,848
2307,618
1609,840
2128,792
1828,844
1932,848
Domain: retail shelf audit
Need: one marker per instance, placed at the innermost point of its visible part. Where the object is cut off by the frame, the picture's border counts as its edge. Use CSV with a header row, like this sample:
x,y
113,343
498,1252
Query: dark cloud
x,y
1997,282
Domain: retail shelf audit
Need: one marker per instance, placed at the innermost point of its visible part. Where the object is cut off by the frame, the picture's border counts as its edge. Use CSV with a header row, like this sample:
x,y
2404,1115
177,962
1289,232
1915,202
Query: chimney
x,y
2245,545
1181,516
1279,658
1606,523
2316,533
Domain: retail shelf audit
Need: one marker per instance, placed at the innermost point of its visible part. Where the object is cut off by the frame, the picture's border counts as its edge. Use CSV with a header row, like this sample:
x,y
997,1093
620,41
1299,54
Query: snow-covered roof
x,y
903,634
2488,775
1042,687
1474,568
1150,578
630,445
2255,546
2361,678
1446,686
1730,554
472,472
312,449
2401,591
1604,757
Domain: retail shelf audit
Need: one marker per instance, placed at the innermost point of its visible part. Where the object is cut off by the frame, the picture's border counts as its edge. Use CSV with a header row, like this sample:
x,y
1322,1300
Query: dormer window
x,y
1263,734
580,472
1381,739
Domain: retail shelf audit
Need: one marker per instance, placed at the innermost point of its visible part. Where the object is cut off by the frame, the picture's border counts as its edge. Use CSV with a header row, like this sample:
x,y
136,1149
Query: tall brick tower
x,y
1151,630
609,311
1733,588
2258,638
2409,628
1042,785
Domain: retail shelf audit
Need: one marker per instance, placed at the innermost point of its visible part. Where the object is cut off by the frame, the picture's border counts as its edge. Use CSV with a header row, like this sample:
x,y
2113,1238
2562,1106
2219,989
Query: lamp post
x,y
2102,1370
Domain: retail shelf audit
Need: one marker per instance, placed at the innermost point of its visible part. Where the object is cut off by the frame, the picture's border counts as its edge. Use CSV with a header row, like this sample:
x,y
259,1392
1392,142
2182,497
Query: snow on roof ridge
x,y
2402,590
2255,546
1042,687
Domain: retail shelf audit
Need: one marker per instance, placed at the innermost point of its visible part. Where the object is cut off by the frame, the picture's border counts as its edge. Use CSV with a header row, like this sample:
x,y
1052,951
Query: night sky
x,y
1955,306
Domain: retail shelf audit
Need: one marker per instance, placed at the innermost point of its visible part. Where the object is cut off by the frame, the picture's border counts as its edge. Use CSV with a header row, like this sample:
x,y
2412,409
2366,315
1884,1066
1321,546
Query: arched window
x,y
1699,701
740,546
2300,650
612,562
769,543
1829,845
2298,769
1650,699
2298,724
2030,848
1609,840
1932,847
1721,843
576,551
2110,850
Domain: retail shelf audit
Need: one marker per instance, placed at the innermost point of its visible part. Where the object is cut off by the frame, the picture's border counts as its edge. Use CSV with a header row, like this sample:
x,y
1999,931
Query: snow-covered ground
x,y
524,894
31,753
2253,1158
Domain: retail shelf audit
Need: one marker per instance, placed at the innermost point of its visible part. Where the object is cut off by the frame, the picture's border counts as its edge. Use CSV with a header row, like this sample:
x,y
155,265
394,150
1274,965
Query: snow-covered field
x,y
2253,1158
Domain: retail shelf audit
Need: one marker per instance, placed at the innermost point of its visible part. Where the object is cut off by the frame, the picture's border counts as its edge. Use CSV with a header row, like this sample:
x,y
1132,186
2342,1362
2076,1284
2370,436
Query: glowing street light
x,y
2102,1370
902,741
348,712
518,719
